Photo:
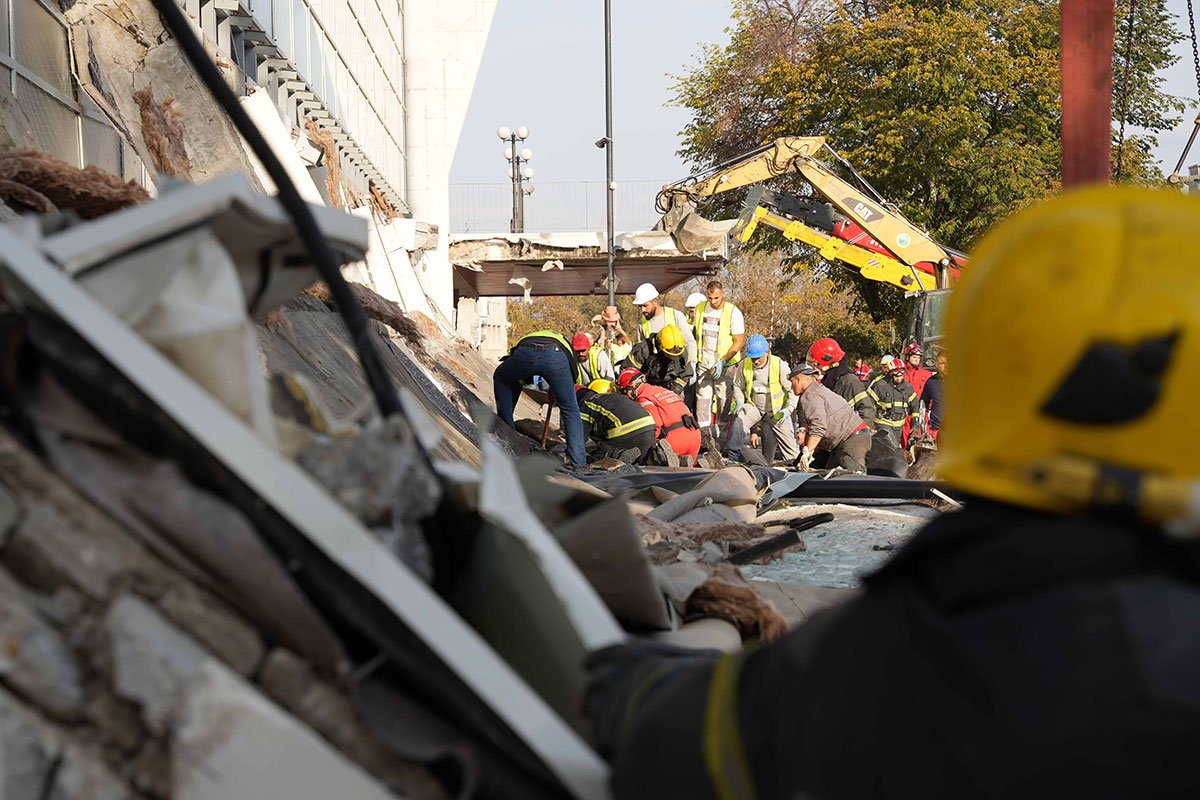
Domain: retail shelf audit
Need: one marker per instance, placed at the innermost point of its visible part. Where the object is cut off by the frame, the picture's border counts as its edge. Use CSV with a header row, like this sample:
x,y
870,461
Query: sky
x,y
543,67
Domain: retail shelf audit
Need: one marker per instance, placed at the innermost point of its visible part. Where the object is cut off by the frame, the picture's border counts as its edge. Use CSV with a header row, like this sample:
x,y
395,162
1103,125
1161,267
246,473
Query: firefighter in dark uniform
x,y
894,399
1041,642
623,429
662,359
829,357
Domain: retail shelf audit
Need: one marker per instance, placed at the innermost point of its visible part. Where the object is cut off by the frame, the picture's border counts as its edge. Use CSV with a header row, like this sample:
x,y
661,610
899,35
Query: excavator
x,y
845,224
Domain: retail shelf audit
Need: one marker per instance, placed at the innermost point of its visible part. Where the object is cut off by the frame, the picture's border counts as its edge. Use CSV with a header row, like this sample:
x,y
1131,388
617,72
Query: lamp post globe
x,y
522,132
503,132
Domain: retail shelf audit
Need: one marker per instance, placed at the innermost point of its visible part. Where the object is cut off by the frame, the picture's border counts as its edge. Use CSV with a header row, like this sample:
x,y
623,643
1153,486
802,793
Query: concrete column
x,y
443,46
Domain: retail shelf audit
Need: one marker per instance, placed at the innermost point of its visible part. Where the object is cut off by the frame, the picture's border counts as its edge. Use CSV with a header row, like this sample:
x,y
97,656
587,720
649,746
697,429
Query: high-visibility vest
x,y
774,381
594,360
724,335
671,317
560,339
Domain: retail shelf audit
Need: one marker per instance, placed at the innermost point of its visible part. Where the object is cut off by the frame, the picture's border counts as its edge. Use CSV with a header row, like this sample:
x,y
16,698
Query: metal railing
x,y
562,206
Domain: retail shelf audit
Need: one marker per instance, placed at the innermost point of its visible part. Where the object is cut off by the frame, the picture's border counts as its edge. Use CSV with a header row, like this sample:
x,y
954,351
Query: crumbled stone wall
x,y
119,678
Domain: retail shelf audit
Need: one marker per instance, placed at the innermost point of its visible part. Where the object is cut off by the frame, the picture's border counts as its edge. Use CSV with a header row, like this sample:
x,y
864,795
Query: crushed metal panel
x,y
299,500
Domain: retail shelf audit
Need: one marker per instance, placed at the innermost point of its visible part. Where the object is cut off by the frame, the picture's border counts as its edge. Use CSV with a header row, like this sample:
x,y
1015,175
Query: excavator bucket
x,y
693,233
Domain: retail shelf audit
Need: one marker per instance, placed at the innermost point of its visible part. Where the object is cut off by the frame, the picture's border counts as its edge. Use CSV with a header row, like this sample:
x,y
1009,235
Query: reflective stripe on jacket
x,y
894,402
774,382
724,335
607,416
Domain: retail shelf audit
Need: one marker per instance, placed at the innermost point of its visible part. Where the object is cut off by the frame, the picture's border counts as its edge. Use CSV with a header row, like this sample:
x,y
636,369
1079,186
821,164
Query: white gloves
x,y
717,370
806,458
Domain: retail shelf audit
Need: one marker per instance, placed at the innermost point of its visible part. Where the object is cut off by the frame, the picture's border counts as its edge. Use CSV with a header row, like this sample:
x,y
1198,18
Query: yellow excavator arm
x,y
907,243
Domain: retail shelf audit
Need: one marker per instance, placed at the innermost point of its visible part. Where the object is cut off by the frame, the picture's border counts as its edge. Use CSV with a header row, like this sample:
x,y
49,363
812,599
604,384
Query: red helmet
x,y
826,352
913,349
581,342
630,378
863,371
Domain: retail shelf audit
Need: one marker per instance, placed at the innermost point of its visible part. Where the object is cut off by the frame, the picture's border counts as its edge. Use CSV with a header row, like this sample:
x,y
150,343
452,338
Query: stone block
x,y
208,621
83,776
34,659
222,730
28,751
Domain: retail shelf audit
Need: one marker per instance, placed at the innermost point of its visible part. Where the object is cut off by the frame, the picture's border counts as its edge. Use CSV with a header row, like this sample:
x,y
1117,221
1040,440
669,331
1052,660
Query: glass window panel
x,y
4,38
41,44
101,146
131,165
55,126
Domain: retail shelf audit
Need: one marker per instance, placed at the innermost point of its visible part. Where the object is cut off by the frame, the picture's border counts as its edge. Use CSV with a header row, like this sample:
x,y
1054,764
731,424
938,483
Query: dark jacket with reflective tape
x,y
893,401
610,416
1002,653
660,369
842,380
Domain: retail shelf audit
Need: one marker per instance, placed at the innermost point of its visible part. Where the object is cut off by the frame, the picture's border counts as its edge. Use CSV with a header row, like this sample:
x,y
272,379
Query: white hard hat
x,y
644,294
694,299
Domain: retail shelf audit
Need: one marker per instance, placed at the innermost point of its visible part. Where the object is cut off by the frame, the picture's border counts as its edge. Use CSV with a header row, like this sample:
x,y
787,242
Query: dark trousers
x,y
622,447
552,364
851,454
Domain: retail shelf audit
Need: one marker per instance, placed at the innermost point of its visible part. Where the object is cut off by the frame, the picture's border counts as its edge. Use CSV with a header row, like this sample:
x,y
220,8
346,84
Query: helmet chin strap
x,y
1172,503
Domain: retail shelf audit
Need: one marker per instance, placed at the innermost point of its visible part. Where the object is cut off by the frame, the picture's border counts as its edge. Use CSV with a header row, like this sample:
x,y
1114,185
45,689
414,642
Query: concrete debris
x,y
555,263
333,170
525,285
162,130
382,478
89,192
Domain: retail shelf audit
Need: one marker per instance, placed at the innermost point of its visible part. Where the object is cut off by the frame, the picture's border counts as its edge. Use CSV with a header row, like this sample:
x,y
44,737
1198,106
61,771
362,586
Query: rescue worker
x,y
895,401
661,360
931,398
760,400
593,361
720,331
1036,644
832,427
828,357
623,429
694,299
673,420
549,355
914,372
656,316
862,368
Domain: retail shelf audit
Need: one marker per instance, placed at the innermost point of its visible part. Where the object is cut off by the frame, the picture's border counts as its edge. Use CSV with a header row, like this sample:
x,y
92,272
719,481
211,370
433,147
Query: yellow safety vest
x,y
561,340
774,380
594,360
724,335
669,314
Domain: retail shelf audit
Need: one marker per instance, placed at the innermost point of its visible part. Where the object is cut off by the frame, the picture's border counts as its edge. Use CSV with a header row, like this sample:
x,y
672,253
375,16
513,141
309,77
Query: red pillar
x,y
1086,58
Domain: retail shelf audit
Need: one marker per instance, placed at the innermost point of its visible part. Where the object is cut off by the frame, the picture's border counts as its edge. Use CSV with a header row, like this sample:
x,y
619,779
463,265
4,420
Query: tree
x,y
950,108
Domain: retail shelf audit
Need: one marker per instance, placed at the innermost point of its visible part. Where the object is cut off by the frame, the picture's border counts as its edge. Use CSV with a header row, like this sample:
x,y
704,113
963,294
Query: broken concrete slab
x,y
35,659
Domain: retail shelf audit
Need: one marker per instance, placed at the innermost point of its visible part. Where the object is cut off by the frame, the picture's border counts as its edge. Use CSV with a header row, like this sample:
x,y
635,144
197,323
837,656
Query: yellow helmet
x,y
601,385
1076,333
670,340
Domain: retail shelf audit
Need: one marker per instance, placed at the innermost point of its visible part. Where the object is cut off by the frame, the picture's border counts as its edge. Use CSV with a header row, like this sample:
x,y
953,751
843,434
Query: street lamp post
x,y
516,173
611,186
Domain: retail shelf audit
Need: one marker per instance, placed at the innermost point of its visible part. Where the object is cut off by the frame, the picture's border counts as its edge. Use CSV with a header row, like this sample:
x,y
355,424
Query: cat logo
x,y
861,210
903,240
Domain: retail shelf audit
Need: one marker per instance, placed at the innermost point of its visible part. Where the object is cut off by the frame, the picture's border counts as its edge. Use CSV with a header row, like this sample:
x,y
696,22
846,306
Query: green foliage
x,y
950,108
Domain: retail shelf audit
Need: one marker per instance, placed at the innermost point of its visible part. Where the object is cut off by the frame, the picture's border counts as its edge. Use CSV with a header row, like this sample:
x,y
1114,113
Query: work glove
x,y
718,369
806,458
622,677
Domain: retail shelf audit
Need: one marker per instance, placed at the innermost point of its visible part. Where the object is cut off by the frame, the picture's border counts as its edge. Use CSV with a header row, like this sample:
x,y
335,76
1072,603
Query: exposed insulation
x,y
382,203
89,192
23,198
333,168
162,131
727,595
377,308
